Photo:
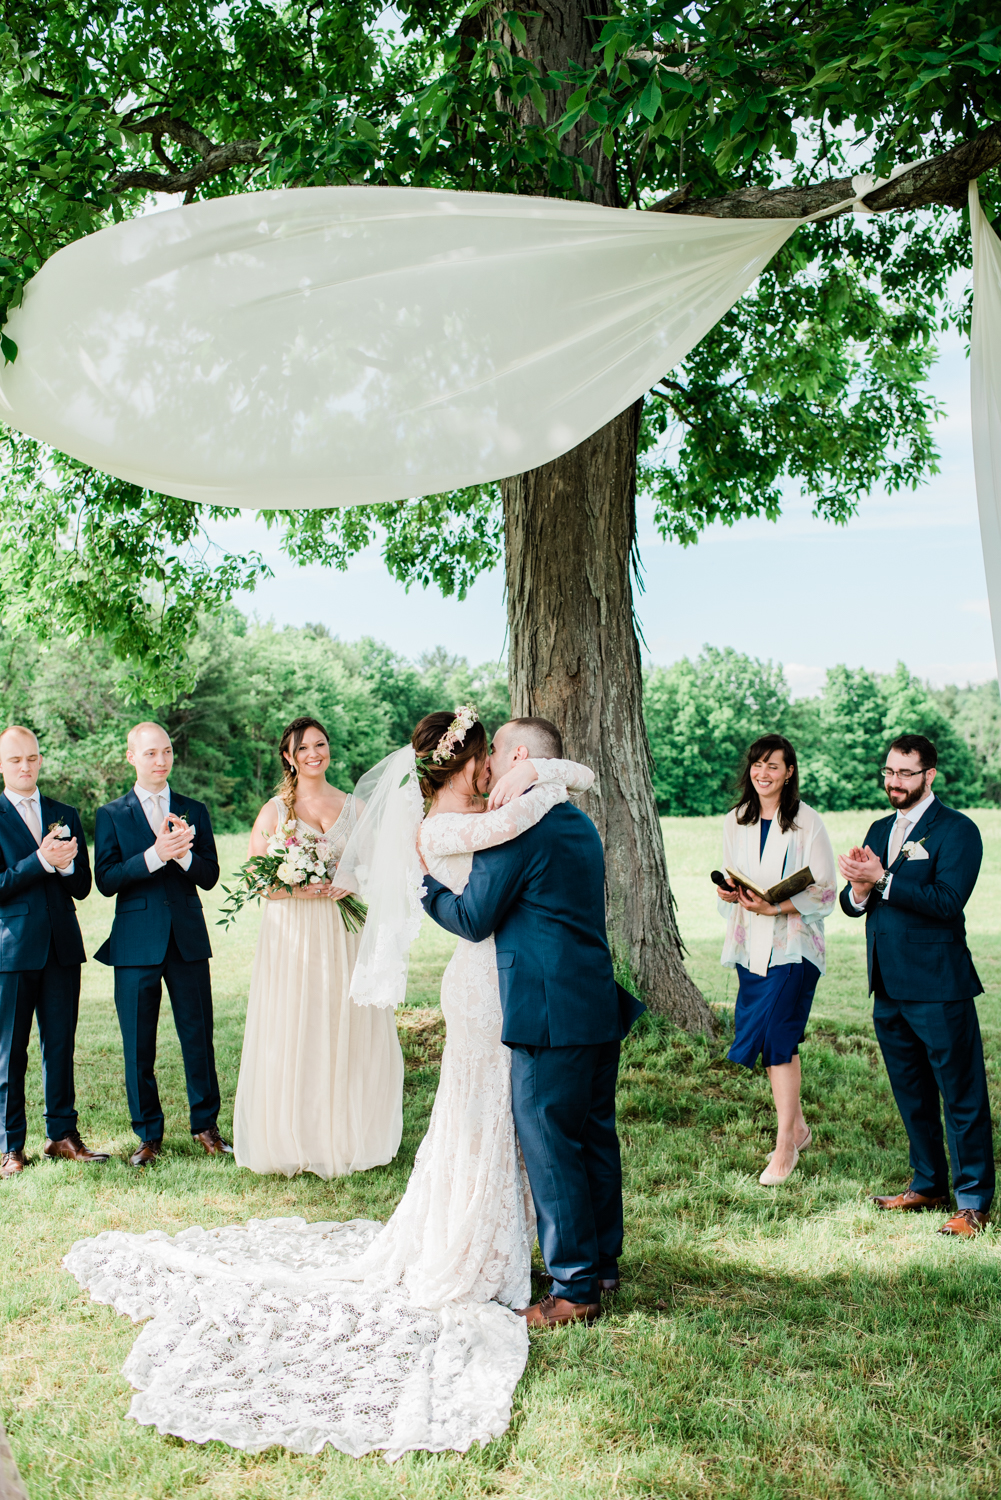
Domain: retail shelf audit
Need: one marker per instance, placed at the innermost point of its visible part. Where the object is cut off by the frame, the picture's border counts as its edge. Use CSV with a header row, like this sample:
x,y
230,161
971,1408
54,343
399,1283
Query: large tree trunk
x,y
570,531
570,534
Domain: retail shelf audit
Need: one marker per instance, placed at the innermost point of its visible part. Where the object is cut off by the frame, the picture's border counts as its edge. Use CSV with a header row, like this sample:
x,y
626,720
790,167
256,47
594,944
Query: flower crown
x,y
465,717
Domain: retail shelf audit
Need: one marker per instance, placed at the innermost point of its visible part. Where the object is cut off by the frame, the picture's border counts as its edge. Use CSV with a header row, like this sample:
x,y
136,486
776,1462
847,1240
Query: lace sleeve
x,y
459,833
568,773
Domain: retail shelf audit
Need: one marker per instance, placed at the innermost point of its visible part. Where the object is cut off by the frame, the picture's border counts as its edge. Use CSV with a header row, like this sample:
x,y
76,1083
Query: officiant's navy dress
x,y
772,1009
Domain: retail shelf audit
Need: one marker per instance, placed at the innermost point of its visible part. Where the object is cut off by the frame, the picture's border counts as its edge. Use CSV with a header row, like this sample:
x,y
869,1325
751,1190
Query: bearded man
x,y
912,881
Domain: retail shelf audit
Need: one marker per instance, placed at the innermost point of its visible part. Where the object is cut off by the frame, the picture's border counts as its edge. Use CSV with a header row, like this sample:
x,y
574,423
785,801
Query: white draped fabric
x,y
344,345
985,399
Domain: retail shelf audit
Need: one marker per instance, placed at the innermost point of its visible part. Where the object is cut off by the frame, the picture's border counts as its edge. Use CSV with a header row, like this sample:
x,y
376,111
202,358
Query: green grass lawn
x,y
769,1342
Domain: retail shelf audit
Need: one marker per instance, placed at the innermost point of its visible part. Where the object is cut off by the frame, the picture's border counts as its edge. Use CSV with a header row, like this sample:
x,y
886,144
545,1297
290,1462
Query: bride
x,y
358,1335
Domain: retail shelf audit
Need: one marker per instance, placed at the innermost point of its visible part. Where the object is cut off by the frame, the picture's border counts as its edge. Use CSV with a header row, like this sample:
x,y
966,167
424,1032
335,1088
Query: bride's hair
x,y
425,739
288,749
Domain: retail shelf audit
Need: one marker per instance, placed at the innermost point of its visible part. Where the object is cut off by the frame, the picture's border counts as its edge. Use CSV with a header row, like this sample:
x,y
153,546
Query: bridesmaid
x,y
777,950
321,1079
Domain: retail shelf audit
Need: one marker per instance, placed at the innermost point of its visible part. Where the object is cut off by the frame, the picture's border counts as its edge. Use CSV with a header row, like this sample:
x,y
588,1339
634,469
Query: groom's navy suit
x,y
543,897
41,951
922,978
159,933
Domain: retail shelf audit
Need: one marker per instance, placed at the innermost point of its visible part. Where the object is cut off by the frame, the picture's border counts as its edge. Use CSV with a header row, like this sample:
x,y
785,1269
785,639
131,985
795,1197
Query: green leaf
x,y
649,101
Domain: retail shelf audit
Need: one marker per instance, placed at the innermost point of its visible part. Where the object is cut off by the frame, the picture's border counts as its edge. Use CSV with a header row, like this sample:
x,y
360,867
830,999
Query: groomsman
x,y
43,867
153,849
912,880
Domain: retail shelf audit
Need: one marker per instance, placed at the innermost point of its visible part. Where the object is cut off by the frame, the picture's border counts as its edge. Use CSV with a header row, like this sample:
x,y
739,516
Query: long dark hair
x,y
288,746
748,803
425,741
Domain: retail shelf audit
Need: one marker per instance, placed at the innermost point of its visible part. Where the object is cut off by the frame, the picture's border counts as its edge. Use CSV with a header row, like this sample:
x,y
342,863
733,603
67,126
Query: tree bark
x,y
570,531
570,536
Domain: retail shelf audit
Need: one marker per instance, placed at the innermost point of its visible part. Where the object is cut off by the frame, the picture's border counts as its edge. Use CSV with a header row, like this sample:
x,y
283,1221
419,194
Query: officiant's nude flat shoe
x,y
803,1146
769,1178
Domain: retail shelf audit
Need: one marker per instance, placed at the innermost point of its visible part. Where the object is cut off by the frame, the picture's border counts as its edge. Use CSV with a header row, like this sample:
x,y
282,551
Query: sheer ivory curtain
x,y
344,345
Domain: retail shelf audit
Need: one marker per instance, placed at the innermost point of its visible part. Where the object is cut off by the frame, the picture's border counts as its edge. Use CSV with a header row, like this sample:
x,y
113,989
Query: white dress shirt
x,y
156,806
19,800
909,816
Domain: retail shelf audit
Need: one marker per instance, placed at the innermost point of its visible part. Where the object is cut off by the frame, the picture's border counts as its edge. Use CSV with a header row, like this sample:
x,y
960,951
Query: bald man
x,y
43,869
153,849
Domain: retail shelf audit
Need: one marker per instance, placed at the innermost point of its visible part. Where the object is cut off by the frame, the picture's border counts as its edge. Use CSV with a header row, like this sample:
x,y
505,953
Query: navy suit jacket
x,y
543,897
917,935
36,909
150,905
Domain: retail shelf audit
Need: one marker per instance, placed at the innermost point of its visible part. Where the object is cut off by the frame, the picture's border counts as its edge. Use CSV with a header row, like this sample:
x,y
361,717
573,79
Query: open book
x,y
791,886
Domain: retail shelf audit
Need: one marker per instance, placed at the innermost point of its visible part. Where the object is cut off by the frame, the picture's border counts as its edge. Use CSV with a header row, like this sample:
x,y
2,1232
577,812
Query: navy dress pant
x,y
933,1052
137,1000
53,995
563,1100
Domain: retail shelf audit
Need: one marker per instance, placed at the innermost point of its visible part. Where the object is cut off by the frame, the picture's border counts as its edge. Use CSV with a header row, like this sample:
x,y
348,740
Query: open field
x,y
768,1343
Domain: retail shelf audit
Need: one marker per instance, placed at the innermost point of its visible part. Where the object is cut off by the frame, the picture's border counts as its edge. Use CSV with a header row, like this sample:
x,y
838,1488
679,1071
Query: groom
x,y
543,897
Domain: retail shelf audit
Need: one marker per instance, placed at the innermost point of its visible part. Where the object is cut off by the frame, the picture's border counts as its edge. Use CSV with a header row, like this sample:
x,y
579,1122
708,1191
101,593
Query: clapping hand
x,y
861,868
60,853
174,839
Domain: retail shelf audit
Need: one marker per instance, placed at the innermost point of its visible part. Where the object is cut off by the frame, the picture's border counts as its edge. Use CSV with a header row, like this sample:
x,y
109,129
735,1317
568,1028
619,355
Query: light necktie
x,y
896,840
29,813
155,812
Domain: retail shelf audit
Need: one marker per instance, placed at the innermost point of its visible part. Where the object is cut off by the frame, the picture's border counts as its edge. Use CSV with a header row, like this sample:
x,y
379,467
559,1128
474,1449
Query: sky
x,y
904,581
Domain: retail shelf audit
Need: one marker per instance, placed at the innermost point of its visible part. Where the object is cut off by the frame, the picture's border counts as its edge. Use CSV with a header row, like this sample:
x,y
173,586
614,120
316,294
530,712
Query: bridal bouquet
x,y
293,859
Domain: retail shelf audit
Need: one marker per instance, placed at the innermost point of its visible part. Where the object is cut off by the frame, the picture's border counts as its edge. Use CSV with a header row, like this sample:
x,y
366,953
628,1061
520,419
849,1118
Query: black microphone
x,y
718,878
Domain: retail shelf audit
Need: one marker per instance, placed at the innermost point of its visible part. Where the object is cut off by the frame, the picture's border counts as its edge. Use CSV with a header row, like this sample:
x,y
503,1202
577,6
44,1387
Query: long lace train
x,y
255,1339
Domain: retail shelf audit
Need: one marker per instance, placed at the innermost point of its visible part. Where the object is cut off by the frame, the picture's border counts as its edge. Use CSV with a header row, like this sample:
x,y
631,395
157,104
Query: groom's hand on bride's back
x,y
512,784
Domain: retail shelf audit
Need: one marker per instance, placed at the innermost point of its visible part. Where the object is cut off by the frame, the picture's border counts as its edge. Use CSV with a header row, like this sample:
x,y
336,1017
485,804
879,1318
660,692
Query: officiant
x,y
777,947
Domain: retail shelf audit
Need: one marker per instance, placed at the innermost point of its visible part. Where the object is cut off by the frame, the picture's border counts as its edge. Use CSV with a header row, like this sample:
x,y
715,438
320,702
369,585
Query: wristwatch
x,y
880,885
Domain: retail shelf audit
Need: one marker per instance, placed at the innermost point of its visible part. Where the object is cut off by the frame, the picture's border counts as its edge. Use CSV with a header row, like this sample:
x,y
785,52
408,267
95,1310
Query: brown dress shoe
x,y
11,1162
72,1148
911,1202
967,1222
148,1151
212,1141
553,1312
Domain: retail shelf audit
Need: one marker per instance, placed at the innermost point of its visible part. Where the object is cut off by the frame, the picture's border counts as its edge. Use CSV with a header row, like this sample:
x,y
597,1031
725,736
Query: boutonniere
x,y
61,830
912,846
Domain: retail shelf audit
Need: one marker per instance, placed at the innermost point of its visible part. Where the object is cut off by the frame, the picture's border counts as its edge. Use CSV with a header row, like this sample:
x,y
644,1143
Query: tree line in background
x,y
250,679
701,715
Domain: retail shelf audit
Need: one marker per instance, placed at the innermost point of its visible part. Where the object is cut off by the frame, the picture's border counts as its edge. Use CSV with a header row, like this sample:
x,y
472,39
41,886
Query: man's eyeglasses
x,y
905,776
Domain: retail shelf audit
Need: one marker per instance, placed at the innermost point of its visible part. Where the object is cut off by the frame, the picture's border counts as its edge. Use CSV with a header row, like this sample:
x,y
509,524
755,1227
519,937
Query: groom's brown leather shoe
x,y
553,1312
148,1151
11,1163
212,1141
967,1222
910,1202
72,1148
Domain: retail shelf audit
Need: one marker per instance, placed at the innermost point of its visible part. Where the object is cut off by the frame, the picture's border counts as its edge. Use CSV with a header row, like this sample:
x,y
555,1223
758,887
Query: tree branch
x,y
943,179
214,159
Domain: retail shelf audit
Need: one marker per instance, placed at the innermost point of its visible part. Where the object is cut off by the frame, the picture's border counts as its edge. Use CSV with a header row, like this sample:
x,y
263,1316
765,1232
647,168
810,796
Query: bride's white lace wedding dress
x,y
358,1335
